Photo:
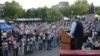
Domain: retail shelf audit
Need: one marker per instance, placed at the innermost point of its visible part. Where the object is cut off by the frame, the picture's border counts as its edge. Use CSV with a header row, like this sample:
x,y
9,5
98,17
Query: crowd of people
x,y
26,38
93,32
85,33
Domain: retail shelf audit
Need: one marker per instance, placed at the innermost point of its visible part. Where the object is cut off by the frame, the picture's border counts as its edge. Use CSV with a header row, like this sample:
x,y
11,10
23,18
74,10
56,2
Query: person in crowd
x,y
44,40
54,44
40,40
49,39
10,40
58,38
15,47
33,38
23,45
36,40
31,45
20,49
5,47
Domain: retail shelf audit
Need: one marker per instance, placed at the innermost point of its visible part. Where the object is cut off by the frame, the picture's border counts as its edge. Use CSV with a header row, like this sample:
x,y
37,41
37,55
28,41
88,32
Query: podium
x,y
65,40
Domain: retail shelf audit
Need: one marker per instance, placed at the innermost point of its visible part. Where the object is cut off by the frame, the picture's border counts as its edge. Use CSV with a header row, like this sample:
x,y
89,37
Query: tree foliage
x,y
53,15
80,7
65,10
12,9
47,14
97,10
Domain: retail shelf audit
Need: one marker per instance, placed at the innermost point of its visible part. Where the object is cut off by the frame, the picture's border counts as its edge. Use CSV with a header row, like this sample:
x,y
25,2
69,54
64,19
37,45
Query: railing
x,y
79,52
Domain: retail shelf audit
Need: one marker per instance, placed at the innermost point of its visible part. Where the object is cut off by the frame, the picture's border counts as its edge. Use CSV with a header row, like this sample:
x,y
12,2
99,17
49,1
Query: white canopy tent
x,y
66,18
2,21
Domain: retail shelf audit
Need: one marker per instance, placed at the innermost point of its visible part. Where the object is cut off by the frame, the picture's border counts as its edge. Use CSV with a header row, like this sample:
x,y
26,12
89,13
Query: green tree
x,y
64,8
12,10
80,7
23,14
37,13
42,13
97,10
65,11
28,13
53,15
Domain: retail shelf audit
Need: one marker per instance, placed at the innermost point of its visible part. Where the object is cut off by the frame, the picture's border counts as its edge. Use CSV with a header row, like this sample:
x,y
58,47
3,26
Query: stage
x,y
79,52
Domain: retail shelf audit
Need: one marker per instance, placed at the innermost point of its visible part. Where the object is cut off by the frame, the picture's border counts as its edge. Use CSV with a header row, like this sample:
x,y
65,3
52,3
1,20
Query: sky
x,y
26,4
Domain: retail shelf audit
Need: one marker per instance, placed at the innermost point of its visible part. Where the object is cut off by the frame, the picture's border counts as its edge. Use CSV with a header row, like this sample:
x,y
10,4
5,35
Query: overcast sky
x,y
26,4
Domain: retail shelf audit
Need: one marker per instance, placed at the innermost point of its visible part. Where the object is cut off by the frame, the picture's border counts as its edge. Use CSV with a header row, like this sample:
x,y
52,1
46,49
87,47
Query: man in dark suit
x,y
76,32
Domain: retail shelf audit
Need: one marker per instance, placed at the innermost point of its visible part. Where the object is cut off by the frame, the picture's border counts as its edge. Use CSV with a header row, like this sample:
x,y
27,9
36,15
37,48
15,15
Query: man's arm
x,y
72,30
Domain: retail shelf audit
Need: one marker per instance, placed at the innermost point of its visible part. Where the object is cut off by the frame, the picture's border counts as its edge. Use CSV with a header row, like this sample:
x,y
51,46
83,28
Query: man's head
x,y
76,18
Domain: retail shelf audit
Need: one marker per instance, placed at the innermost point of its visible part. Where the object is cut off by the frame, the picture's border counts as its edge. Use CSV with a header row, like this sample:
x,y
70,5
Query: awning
x,y
5,26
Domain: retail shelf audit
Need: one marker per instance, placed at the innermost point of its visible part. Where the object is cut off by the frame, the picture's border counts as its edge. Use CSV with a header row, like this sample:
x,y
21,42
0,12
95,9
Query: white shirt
x,y
30,42
33,39
4,34
15,44
41,33
73,27
49,37
43,37
53,26
5,45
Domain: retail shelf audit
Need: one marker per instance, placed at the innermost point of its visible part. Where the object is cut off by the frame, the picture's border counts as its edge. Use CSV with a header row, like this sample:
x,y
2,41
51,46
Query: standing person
x,y
54,44
36,40
10,40
33,38
76,32
23,45
40,41
53,38
5,48
49,40
20,49
57,38
15,48
31,45
44,40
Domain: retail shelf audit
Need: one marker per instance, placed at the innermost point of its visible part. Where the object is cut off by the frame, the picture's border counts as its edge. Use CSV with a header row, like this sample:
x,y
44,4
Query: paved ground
x,y
53,52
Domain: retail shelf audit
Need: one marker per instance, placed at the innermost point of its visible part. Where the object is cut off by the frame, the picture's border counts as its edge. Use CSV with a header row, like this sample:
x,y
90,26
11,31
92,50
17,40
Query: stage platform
x,y
79,52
